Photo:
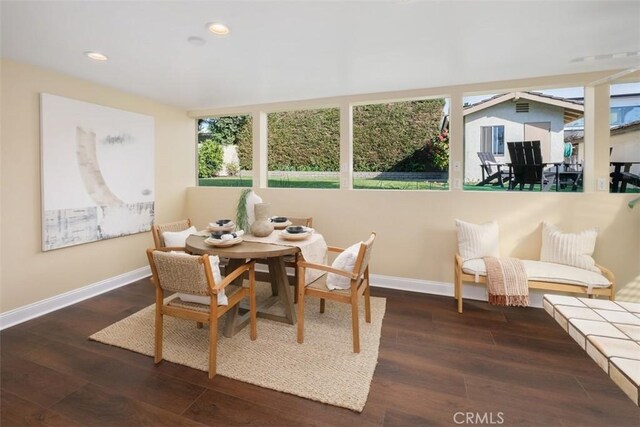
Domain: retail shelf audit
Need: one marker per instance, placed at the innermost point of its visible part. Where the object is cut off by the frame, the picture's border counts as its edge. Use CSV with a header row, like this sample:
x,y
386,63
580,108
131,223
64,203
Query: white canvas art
x,y
97,172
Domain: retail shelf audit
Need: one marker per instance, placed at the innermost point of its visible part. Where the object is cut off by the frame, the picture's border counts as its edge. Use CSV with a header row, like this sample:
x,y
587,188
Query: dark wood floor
x,y
499,364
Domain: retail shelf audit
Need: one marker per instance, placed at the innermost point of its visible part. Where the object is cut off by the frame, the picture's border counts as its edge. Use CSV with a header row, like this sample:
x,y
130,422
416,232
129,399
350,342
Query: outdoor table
x,y
237,254
617,183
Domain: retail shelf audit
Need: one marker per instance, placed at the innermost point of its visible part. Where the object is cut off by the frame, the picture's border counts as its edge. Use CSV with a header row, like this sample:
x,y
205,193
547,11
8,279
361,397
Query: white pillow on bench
x,y
477,240
574,249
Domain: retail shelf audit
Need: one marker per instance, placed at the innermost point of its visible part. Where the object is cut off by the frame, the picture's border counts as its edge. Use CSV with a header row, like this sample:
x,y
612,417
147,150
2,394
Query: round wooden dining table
x,y
237,254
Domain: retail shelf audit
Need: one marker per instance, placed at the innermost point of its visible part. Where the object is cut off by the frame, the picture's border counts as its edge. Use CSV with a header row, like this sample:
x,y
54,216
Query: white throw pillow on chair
x,y
478,240
214,261
574,249
345,261
178,238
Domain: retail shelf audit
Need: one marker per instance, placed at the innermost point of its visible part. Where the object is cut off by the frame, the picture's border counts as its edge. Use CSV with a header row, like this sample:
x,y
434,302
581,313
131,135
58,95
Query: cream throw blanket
x,y
313,249
507,282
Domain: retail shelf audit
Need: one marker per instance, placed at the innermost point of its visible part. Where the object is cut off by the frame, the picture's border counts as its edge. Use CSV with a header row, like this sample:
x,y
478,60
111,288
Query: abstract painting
x,y
97,172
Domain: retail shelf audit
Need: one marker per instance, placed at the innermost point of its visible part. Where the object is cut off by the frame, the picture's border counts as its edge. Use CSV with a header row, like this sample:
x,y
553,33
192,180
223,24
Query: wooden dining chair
x,y
359,285
158,229
190,274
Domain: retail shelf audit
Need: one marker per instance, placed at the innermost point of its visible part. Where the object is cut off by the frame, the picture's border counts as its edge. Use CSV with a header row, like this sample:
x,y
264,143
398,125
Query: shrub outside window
x,y
401,145
224,151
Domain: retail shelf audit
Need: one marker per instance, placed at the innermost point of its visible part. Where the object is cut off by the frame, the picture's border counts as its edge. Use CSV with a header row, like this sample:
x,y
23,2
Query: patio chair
x,y
193,275
528,166
358,282
492,172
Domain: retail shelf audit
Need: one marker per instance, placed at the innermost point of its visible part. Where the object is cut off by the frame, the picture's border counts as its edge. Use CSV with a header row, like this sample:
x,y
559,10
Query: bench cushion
x,y
546,272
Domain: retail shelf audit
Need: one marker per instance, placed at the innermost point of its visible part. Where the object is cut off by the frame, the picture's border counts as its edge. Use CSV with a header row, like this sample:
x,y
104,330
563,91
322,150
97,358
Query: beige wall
x,y
28,274
416,231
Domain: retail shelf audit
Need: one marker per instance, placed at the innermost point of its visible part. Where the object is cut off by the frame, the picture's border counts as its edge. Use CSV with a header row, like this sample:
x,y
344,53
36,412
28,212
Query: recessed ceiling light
x,y
218,28
96,56
196,41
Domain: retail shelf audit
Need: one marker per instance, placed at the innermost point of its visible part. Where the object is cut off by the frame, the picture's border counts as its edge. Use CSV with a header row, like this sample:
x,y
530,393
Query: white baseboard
x,y
469,290
27,312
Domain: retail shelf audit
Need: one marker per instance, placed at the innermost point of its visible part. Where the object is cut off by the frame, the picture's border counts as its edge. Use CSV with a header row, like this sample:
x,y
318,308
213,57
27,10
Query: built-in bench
x,y
541,275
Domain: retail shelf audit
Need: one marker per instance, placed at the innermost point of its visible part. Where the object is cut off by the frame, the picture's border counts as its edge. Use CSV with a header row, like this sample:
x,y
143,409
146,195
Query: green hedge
x,y
395,137
398,137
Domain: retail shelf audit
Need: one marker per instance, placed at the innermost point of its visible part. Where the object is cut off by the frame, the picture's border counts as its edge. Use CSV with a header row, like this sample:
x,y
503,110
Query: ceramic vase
x,y
252,200
262,226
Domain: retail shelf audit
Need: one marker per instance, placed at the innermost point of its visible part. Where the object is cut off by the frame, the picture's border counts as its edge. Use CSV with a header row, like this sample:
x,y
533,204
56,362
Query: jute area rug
x,y
324,368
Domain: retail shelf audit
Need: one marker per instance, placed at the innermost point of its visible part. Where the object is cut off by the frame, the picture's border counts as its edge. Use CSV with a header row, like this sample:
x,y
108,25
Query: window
x,y
401,145
496,124
304,148
624,140
224,151
493,140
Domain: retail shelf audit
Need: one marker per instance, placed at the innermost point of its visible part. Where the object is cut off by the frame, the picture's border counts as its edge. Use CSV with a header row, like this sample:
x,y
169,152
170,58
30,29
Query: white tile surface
x,y
548,307
633,307
578,313
614,347
601,303
563,300
601,359
619,317
608,333
633,331
594,327
631,368
622,381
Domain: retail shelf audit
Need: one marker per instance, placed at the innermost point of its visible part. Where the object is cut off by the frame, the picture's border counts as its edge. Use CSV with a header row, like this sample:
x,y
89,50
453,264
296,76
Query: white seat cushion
x,y
546,272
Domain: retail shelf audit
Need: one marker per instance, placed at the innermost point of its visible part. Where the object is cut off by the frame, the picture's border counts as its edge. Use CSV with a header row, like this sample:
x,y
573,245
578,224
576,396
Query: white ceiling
x,y
291,50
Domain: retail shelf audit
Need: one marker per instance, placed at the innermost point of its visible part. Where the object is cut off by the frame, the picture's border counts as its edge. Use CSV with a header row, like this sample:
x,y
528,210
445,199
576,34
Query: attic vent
x,y
522,107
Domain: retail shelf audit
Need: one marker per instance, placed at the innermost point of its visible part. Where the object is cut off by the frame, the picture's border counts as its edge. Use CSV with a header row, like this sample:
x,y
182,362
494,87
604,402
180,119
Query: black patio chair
x,y
528,166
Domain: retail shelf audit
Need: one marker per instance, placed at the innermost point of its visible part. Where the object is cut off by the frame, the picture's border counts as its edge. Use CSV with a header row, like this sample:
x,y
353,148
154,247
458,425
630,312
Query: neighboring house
x,y
624,142
625,130
516,116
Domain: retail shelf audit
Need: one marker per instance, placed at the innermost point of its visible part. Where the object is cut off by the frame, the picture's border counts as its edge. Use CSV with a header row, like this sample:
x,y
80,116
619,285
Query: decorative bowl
x,y
295,229
295,236
222,222
279,219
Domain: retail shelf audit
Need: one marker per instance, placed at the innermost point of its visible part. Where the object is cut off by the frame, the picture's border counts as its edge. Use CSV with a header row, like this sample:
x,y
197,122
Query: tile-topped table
x,y
608,331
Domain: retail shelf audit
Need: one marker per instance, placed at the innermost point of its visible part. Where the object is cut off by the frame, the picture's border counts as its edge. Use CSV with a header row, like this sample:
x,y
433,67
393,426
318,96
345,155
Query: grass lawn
x,y
361,184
